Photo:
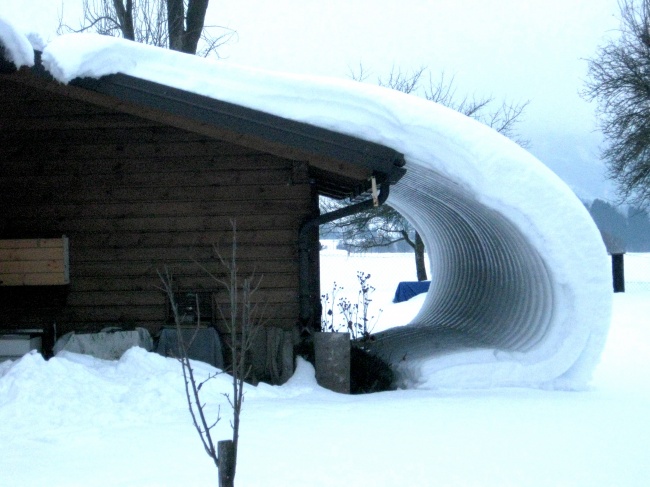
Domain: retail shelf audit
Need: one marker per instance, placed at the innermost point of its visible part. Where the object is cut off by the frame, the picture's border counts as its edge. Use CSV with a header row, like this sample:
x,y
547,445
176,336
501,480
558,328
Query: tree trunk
x,y
125,18
420,267
181,38
175,24
196,10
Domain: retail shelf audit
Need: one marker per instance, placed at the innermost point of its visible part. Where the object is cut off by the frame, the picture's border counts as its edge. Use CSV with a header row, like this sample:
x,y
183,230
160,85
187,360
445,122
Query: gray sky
x,y
515,50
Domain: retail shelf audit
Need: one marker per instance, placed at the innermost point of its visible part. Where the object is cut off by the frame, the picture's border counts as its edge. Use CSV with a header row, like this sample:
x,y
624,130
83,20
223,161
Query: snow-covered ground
x,y
79,421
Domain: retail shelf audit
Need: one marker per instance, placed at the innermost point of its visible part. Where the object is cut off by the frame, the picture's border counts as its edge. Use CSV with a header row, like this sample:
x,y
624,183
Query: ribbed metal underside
x,y
489,287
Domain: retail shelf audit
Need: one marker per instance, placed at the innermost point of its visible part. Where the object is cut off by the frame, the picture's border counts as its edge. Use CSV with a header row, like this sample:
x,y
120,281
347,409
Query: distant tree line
x,y
623,230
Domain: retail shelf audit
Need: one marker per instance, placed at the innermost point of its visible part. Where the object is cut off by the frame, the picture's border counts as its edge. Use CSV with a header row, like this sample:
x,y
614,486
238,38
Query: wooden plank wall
x,y
134,196
34,262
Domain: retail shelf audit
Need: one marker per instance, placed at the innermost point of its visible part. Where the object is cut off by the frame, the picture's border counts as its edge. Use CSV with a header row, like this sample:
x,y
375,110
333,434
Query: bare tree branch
x,y
192,389
383,226
124,15
619,81
402,81
174,24
243,322
361,75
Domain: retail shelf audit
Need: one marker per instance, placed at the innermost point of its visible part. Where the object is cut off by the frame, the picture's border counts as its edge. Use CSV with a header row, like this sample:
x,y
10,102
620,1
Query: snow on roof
x,y
17,47
521,291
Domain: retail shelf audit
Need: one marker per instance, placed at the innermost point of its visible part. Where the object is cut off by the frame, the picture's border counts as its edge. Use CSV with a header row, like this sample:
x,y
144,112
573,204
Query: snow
x,y
80,421
520,291
386,271
77,420
17,47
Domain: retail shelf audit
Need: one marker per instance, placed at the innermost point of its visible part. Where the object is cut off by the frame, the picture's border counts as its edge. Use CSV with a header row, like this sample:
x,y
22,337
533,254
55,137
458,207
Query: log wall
x,y
134,196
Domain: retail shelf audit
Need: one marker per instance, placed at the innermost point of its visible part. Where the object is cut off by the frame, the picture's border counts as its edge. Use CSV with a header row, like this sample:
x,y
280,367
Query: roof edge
x,y
384,162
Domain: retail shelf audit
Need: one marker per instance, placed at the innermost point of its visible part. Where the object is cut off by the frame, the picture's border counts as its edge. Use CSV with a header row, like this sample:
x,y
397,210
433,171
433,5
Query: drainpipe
x,y
307,318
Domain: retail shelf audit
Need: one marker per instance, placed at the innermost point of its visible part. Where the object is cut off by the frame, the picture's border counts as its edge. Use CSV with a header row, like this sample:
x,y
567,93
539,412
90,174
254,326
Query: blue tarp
x,y
407,289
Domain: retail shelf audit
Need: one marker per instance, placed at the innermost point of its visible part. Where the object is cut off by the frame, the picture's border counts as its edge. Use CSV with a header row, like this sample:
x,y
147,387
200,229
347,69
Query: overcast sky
x,y
516,50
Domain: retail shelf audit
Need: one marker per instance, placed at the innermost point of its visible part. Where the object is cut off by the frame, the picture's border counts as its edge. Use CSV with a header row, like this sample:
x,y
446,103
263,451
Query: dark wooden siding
x,y
134,196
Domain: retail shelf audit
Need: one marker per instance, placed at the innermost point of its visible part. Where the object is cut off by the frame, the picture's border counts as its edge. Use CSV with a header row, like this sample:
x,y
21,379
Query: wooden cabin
x,y
131,177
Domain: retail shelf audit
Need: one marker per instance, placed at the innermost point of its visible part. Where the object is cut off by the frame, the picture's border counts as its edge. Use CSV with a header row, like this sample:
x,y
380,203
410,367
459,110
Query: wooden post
x,y
618,273
226,454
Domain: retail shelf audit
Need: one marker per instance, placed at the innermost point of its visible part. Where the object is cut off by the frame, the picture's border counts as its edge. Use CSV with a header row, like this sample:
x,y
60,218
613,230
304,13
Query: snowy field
x,y
386,271
79,421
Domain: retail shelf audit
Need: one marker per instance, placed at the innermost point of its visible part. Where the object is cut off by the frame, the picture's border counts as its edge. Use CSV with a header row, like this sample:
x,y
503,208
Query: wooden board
x,y
34,262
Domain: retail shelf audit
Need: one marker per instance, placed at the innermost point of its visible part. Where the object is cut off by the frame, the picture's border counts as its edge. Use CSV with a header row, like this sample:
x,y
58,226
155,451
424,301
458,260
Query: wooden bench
x,y
34,262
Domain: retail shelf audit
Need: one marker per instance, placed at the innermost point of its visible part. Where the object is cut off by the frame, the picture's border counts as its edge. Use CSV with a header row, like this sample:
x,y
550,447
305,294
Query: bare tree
x,y
242,319
619,80
174,24
502,117
379,227
384,226
192,386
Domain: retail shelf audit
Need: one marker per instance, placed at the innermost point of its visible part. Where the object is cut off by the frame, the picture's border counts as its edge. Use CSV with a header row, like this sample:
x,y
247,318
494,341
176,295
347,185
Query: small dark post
x,y
618,273
226,454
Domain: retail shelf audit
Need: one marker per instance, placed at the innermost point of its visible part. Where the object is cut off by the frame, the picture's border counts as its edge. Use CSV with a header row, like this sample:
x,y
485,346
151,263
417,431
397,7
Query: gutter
x,y
308,318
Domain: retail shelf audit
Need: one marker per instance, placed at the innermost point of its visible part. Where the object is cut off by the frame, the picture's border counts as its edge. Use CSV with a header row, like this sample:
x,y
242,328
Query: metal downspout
x,y
307,318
